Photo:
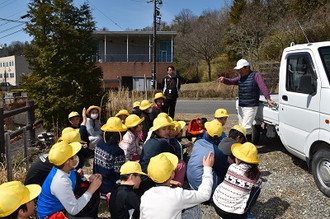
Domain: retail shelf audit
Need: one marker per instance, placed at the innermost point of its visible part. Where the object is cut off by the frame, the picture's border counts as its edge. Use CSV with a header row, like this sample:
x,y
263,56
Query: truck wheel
x,y
256,129
321,170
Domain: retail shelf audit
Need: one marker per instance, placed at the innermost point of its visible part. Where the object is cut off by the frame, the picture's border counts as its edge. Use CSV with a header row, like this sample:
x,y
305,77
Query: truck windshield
x,y
325,56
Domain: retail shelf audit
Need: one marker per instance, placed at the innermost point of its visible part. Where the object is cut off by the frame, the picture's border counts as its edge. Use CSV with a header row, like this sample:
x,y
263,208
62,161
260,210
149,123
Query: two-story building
x,y
12,68
126,57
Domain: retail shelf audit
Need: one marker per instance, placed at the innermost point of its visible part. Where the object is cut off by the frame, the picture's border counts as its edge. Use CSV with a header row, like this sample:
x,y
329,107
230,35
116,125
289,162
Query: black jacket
x,y
122,200
171,86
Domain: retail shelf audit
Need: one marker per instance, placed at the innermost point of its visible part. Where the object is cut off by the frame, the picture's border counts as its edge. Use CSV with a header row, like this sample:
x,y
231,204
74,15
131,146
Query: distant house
x,y
126,57
12,68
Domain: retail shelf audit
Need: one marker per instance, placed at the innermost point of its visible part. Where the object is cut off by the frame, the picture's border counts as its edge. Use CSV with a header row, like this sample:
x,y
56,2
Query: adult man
x,y
250,84
171,85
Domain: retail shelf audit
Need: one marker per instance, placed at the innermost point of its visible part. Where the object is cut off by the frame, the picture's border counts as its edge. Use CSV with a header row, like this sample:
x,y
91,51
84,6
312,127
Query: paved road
x,y
204,106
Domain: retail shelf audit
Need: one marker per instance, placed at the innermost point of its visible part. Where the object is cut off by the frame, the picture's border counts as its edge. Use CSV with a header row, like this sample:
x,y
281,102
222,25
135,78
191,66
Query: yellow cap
x,y
179,125
70,134
214,128
161,122
114,124
14,194
240,128
62,151
161,167
246,152
221,113
145,104
93,107
122,112
136,104
162,114
73,114
131,167
159,95
133,120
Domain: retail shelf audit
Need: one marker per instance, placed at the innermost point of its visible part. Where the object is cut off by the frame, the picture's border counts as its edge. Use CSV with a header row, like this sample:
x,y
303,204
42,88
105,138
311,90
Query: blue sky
x,y
111,14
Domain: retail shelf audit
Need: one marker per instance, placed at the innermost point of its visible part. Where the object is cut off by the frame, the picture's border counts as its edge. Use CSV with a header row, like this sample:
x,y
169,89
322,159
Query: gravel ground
x,y
289,190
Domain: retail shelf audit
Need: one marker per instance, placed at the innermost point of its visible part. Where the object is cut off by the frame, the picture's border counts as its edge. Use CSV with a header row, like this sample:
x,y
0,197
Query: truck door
x,y
299,101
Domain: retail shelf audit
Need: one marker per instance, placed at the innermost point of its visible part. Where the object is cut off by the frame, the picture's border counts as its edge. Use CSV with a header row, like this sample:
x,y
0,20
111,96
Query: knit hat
x,y
14,194
246,152
161,167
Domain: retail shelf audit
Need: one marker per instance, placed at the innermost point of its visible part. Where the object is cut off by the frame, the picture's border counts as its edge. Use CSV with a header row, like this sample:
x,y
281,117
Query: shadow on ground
x,y
273,208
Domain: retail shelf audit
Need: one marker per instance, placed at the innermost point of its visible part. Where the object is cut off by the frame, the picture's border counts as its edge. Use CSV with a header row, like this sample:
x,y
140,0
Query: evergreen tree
x,y
64,77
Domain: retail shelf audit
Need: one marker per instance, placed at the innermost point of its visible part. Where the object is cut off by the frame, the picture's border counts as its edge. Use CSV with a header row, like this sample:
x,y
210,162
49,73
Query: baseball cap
x,y
241,63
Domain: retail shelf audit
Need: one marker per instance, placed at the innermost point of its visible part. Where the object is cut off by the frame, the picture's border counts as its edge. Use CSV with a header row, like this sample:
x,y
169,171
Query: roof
x,y
136,33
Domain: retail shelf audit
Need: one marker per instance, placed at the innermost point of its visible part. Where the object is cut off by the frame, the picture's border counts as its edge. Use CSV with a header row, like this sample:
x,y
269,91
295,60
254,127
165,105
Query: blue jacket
x,y
201,149
48,204
153,147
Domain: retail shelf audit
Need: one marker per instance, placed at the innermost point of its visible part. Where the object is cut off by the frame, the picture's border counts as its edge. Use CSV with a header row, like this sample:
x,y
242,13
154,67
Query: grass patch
x,y
208,90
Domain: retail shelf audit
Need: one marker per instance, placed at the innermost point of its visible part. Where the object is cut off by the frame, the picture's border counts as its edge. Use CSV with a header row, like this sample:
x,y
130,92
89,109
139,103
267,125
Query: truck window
x,y
300,75
325,57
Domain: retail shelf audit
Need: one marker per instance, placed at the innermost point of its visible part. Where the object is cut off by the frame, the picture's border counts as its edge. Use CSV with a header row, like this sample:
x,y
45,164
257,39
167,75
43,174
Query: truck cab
x,y
302,118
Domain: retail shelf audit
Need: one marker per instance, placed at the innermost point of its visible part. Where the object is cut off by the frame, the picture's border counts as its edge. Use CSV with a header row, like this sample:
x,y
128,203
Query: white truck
x,y
301,118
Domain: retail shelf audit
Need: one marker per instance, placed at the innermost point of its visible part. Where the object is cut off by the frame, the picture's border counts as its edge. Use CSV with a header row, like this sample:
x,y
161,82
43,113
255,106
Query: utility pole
x,y
154,57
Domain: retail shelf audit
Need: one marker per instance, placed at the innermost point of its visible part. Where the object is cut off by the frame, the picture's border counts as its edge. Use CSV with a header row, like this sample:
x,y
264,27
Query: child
x,y
123,200
222,116
93,125
17,200
234,197
237,134
196,128
57,190
136,108
109,156
163,201
201,148
145,108
122,115
131,140
159,105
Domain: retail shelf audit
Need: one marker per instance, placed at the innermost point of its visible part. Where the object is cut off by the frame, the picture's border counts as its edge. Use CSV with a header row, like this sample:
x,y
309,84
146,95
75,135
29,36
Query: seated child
x,y
159,105
164,201
17,200
123,199
235,196
122,115
196,128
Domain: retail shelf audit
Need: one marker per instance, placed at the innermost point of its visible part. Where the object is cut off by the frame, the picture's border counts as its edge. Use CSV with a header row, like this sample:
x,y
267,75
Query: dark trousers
x,y
170,107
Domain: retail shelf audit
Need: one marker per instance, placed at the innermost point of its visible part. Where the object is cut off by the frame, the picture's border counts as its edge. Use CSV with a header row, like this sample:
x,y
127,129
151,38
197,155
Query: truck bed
x,y
267,114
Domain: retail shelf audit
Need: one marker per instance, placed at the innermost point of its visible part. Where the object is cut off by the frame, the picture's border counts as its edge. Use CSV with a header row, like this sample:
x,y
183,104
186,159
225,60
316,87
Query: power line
x,y
10,20
107,16
11,34
11,28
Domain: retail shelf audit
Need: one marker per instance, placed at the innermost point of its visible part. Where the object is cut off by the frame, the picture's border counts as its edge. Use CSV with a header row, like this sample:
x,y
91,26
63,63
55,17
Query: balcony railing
x,y
129,58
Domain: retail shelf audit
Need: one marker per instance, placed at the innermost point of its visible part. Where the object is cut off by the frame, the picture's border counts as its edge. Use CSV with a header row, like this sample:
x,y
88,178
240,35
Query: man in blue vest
x,y
250,84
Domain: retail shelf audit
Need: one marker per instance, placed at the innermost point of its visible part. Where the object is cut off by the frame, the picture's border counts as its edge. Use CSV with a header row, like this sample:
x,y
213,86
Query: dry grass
x,y
19,172
208,90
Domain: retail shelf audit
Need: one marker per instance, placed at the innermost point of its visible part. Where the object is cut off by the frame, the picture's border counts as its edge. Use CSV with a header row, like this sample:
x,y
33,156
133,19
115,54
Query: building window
x,y
0,75
0,64
6,75
12,63
12,75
